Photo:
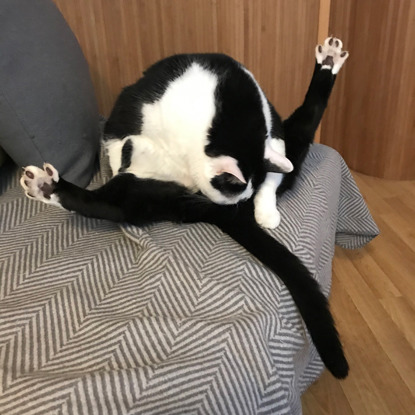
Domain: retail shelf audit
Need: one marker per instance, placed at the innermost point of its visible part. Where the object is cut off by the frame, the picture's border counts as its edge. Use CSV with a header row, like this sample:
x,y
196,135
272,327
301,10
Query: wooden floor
x,y
373,301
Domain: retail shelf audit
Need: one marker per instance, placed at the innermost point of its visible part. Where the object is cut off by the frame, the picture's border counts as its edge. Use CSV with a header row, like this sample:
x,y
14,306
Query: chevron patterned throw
x,y
101,319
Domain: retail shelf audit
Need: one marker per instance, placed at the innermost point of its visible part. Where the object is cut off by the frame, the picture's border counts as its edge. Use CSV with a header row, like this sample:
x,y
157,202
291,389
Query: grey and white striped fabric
x,y
166,319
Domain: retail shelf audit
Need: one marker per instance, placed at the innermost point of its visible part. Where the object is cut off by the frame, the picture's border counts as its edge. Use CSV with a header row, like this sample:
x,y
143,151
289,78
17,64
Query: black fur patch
x,y
126,153
238,127
271,167
47,189
228,184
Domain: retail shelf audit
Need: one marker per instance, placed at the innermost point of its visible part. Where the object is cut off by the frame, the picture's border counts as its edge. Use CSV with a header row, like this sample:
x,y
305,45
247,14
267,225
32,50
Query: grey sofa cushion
x,y
48,110
170,311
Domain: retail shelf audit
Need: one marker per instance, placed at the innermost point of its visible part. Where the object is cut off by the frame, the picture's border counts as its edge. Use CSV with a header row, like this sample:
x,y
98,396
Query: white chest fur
x,y
174,132
176,128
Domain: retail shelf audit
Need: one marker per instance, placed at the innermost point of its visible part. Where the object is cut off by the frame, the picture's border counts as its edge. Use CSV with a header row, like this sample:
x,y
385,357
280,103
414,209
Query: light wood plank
x,y
403,315
382,326
373,275
323,20
326,397
363,389
373,303
377,81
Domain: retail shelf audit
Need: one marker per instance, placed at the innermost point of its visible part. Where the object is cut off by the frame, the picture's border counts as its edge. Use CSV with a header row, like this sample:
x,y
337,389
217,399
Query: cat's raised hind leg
x,y
300,127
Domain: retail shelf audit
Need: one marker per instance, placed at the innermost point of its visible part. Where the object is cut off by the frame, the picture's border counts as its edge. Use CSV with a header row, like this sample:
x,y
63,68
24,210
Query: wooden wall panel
x,y
275,39
371,116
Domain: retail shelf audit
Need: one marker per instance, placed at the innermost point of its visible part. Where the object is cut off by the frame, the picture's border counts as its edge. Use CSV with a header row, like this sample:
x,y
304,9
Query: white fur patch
x,y
114,148
277,144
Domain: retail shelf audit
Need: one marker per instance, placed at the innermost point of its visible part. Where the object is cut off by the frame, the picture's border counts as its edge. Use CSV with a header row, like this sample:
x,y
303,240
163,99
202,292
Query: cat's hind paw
x,y
40,184
330,55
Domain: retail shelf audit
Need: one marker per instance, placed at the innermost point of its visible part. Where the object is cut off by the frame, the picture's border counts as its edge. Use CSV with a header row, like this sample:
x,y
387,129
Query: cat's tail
x,y
305,290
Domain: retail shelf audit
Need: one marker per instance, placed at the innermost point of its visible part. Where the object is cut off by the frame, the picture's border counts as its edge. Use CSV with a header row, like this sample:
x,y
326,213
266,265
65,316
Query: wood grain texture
x,y
323,20
275,39
374,305
323,31
371,116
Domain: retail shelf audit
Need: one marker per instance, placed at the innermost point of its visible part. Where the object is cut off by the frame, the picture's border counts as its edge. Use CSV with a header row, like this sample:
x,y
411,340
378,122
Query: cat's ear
x,y
274,157
227,164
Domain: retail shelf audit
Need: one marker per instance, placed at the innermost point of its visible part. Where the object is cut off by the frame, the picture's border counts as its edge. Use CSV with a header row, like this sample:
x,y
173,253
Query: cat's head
x,y
225,183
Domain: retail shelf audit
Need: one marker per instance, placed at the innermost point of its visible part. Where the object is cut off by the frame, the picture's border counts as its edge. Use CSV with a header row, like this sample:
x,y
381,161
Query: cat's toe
x,y
29,181
330,55
333,43
51,171
39,184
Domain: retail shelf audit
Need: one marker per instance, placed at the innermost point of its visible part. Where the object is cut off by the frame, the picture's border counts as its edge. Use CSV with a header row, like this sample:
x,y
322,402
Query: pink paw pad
x,y
39,184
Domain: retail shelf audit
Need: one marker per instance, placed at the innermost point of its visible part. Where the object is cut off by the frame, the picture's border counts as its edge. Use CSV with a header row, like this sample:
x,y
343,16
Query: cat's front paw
x,y
39,184
330,55
267,216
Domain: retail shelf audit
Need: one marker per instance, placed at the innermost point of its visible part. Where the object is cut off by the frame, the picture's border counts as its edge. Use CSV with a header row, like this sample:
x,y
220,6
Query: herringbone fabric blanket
x,y
167,319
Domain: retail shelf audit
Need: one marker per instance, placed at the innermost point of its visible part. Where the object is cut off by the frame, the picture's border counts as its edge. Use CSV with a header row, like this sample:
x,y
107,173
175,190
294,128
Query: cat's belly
x,y
175,131
180,120
150,161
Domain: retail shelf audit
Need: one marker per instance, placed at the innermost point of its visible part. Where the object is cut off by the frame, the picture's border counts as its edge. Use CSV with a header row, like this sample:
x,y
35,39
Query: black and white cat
x,y
196,140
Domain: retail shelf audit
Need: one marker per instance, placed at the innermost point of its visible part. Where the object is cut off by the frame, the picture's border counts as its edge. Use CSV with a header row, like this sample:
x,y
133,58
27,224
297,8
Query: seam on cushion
x,y
168,252
19,118
150,243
